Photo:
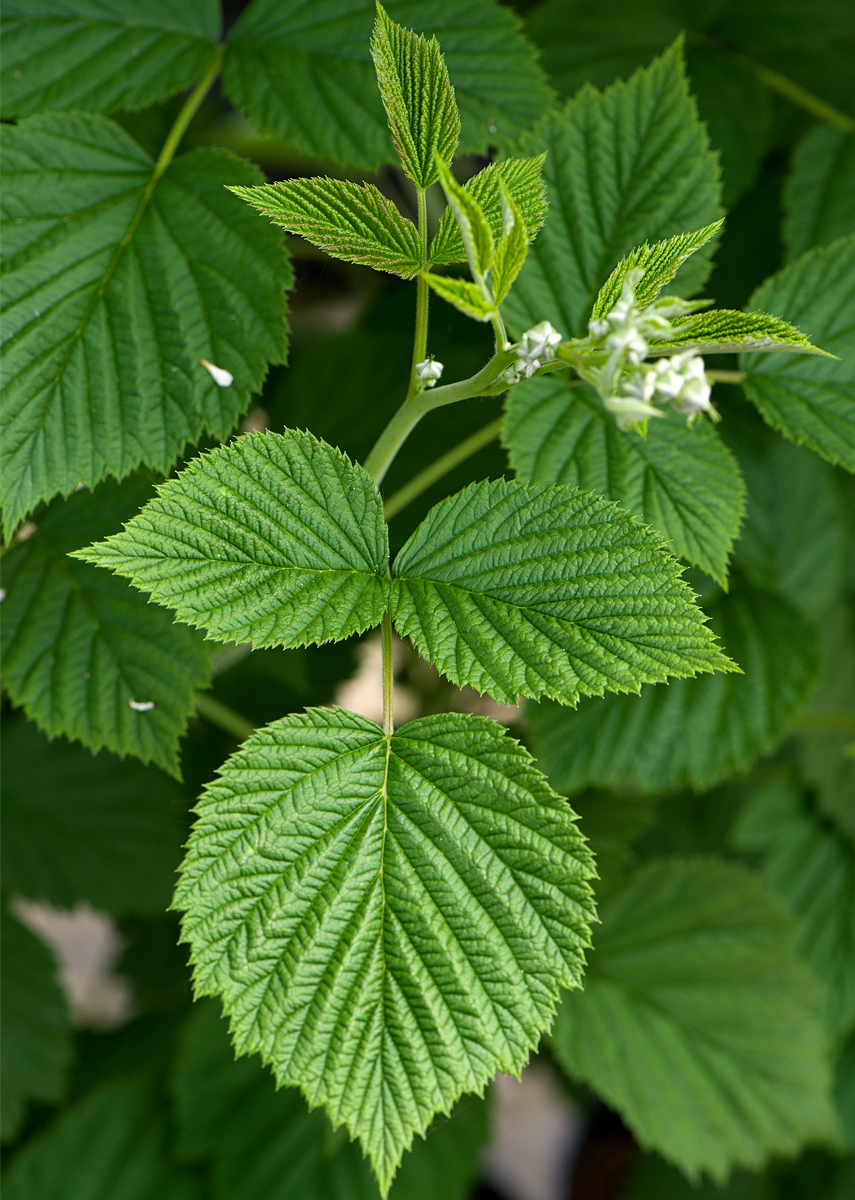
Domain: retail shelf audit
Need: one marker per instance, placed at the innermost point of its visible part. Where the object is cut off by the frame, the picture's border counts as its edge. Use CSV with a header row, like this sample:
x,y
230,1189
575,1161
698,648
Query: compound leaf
x,y
724,331
474,228
434,874
465,296
530,589
275,539
819,195
523,179
659,263
697,1023
114,293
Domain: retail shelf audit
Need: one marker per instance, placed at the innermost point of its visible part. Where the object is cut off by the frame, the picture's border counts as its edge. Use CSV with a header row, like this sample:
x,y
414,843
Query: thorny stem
x,y
447,462
776,82
388,672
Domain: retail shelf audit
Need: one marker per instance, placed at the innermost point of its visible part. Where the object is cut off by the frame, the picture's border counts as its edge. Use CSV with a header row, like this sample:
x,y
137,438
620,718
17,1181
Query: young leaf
x,y
682,481
474,227
510,251
275,539
36,1033
328,861
724,331
348,220
523,589
697,1023
694,732
660,264
113,295
819,195
626,165
84,654
524,181
467,297
811,400
100,55
418,98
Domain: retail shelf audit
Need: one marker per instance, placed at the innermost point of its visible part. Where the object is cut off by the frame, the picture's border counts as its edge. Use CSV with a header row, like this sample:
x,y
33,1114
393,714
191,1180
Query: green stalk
x,y
221,715
422,300
725,376
794,92
458,454
388,672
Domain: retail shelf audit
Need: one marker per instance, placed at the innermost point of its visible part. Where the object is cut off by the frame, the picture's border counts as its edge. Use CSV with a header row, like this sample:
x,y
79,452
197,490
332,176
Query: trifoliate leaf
x,y
275,539
82,828
467,297
682,481
819,195
697,1024
348,220
692,732
83,653
474,228
524,181
811,400
659,263
36,1033
433,874
723,331
524,589
418,98
114,293
511,249
99,55
624,166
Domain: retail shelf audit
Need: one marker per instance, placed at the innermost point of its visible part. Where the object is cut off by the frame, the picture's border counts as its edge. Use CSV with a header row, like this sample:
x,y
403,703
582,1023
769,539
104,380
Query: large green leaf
x,y
624,166
694,731
819,195
696,1022
36,1034
82,828
302,70
99,55
113,294
682,481
388,921
83,652
811,400
276,539
531,589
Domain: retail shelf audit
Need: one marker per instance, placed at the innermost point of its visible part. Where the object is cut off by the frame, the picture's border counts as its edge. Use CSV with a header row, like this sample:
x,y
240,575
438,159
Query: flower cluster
x,y
536,346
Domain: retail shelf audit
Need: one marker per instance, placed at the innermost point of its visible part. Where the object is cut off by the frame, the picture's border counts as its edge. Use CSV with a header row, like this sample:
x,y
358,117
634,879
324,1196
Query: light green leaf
x,y
467,297
692,732
525,589
524,181
99,55
36,1034
682,481
811,400
624,166
659,263
723,331
474,227
418,98
275,539
348,220
303,72
107,319
697,1023
82,828
434,874
819,195
83,653
511,249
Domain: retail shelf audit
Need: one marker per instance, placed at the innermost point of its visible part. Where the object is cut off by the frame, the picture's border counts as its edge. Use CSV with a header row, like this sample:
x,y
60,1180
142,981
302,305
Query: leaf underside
x,y
659,263
724,331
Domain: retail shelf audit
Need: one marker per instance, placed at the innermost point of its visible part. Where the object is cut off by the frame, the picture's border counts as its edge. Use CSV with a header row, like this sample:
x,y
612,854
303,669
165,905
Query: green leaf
x,y
723,331
811,400
624,166
659,263
100,55
113,295
275,539
434,874
348,220
304,73
524,181
81,649
418,98
819,195
82,828
682,481
693,732
511,249
466,297
36,1034
696,1022
810,867
475,231
524,589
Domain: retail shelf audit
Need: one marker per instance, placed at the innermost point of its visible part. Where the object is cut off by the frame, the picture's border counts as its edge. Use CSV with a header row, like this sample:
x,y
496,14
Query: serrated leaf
x,y
724,331
275,539
697,1023
466,297
524,181
350,221
79,646
100,55
433,873
529,589
624,166
693,732
659,263
36,1034
474,228
811,400
82,828
819,194
682,481
418,98
510,250
304,73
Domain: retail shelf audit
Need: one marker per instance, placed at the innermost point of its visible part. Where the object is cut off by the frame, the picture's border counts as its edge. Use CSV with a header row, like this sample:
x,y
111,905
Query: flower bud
x,y
428,372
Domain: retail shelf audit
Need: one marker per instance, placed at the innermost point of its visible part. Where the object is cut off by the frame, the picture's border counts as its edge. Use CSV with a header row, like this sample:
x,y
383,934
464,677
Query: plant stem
x,y
776,82
447,462
188,112
725,376
220,714
500,332
388,672
422,300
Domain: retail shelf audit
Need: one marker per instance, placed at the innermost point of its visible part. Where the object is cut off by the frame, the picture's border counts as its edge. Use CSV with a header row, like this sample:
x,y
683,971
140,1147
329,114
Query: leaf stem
x,y
725,376
447,462
422,299
388,672
188,111
500,332
776,82
220,714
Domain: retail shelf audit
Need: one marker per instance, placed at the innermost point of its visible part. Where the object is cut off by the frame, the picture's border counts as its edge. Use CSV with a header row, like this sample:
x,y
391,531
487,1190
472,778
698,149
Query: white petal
x,y
141,705
220,377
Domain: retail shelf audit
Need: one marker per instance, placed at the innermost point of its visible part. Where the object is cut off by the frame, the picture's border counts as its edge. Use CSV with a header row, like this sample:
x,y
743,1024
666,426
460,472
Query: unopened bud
x,y
220,377
428,372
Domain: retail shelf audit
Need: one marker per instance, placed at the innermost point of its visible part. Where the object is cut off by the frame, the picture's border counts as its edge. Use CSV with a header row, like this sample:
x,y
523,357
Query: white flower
x,y
428,372
220,377
682,383
538,343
